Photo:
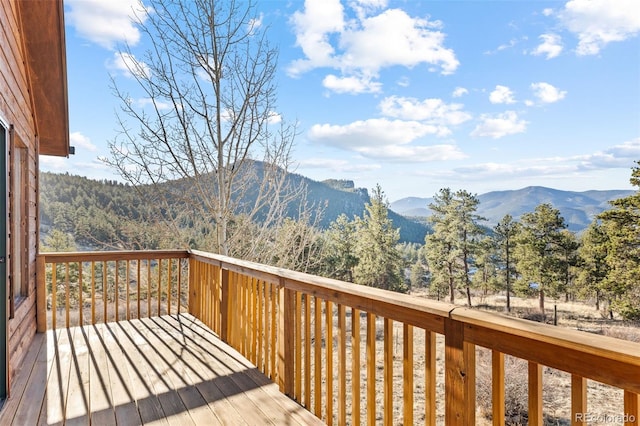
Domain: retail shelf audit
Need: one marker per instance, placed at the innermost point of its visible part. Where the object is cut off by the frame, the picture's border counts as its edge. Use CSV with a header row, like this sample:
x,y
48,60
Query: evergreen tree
x,y
441,246
468,231
453,245
504,236
379,262
539,245
594,268
340,257
621,224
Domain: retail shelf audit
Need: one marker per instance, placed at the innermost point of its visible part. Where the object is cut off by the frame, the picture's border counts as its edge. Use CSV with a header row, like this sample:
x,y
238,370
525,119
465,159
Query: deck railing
x,y
350,354
90,287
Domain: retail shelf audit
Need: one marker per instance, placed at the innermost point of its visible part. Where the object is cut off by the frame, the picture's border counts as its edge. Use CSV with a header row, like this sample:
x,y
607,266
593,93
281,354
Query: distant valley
x,y
578,208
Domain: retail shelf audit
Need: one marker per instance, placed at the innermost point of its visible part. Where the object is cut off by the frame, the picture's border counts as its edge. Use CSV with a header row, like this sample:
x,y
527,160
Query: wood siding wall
x,y
16,109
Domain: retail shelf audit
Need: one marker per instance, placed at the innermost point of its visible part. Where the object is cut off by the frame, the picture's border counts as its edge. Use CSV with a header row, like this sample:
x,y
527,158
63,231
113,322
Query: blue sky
x,y
414,95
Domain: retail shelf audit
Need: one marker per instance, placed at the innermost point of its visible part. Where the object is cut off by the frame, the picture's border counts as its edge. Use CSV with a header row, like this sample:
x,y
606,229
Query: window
x,y
19,217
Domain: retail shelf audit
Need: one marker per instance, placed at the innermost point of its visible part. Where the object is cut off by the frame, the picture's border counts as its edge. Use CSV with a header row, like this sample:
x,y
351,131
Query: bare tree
x,y
206,115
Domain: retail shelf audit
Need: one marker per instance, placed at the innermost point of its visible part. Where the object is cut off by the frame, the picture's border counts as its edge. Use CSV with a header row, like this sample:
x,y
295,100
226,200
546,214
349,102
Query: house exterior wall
x,y
17,111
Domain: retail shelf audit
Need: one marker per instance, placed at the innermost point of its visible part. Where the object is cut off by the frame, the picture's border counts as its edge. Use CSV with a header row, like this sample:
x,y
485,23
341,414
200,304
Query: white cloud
x,y
129,66
106,22
375,131
274,118
413,154
337,165
547,93
360,47
501,95
459,91
160,105
500,125
80,141
351,84
618,156
597,23
551,46
313,28
434,111
511,44
547,12
384,139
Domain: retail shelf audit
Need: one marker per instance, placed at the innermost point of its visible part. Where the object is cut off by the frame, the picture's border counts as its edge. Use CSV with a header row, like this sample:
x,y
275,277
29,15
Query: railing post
x,y
41,295
631,409
286,346
225,306
460,395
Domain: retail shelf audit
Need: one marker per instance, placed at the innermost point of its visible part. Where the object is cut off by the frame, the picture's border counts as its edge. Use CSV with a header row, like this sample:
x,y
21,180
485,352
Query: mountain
x,y
578,208
68,202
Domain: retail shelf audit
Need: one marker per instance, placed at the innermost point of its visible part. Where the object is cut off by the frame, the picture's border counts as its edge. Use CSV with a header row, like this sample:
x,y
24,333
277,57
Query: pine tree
x,y
621,224
340,257
454,242
539,245
504,236
379,261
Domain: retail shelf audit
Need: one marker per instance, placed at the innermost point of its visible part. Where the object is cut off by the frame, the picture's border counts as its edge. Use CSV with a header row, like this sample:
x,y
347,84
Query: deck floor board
x,y
169,370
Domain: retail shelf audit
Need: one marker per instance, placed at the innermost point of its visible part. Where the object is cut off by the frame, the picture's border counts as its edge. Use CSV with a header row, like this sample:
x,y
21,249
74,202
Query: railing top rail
x,y
605,359
88,256
423,313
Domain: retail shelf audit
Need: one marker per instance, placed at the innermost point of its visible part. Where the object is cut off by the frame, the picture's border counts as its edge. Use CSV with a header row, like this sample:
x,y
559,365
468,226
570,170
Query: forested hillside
x,y
99,213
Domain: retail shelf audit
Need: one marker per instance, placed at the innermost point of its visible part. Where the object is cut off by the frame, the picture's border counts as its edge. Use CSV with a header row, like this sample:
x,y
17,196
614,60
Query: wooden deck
x,y
168,370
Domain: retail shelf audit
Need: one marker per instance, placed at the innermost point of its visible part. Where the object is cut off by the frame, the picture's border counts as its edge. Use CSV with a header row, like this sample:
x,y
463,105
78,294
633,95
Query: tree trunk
x,y
542,304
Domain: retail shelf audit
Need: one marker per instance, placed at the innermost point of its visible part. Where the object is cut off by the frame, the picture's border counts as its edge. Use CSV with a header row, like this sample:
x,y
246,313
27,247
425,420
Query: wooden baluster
x,y
80,290
169,279
54,295
317,358
260,328
138,262
578,399
497,387
430,378
148,288
267,329
631,415
328,314
117,291
388,373
307,351
93,293
274,324
126,290
104,292
535,394
371,368
342,365
298,346
355,367
67,290
407,369
180,284
159,288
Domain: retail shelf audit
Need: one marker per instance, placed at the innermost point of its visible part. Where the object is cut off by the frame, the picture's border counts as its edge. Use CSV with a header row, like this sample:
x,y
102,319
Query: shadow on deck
x,y
162,370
